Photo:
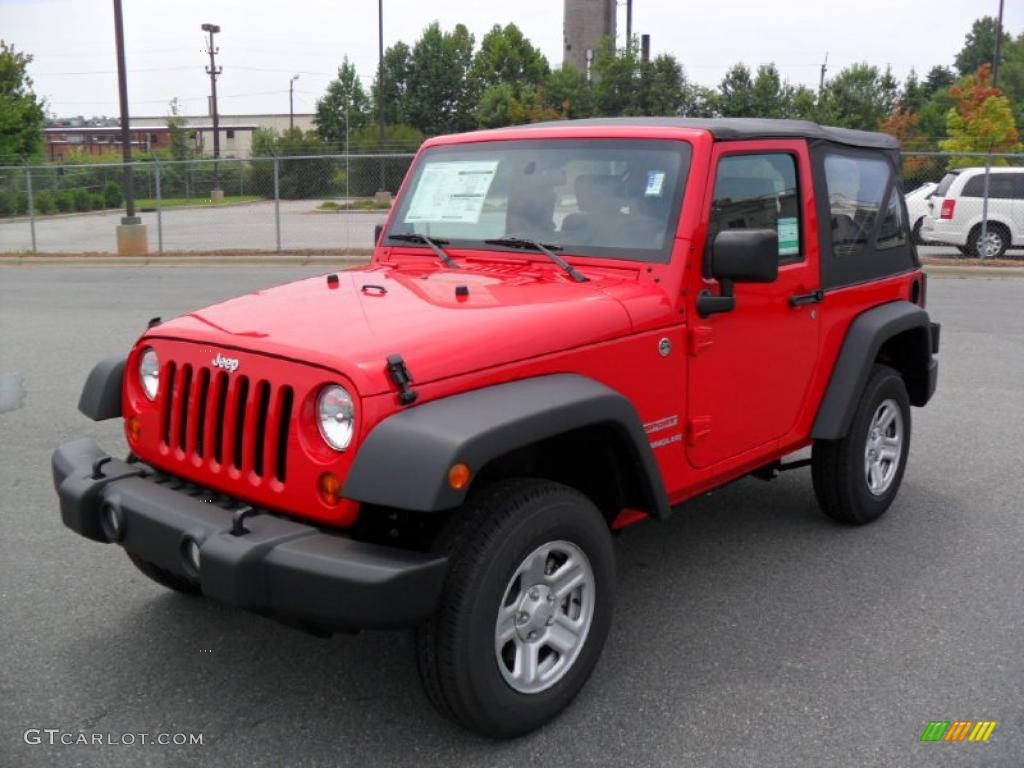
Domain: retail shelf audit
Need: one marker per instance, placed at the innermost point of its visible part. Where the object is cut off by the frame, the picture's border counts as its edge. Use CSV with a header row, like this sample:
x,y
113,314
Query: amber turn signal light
x,y
458,476
330,488
133,426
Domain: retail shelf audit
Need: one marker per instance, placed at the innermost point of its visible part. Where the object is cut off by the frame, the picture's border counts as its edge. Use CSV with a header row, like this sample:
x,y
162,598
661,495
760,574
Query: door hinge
x,y
700,339
697,429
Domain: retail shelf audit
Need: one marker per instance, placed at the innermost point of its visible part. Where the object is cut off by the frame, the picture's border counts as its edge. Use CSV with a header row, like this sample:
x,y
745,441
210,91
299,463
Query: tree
x,y
296,178
181,146
736,92
507,57
504,104
662,86
21,112
345,96
439,97
763,94
568,93
397,63
982,119
938,79
860,96
979,45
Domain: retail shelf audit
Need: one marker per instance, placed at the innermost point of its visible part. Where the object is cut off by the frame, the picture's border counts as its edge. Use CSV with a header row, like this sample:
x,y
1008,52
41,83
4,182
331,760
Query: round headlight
x,y
149,373
336,416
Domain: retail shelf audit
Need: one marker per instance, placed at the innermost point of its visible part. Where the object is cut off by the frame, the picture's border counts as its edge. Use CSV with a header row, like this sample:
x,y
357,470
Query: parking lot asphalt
x,y
749,630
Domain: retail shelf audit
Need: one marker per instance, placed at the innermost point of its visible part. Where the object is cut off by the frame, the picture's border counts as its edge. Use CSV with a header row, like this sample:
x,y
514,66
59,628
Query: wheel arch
x,y
899,334
562,427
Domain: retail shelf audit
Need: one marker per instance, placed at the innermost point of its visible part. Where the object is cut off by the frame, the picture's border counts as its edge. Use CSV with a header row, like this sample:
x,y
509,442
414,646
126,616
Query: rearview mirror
x,y
739,256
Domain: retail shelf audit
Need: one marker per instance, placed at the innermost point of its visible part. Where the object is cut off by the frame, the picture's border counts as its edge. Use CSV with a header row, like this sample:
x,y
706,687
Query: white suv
x,y
954,211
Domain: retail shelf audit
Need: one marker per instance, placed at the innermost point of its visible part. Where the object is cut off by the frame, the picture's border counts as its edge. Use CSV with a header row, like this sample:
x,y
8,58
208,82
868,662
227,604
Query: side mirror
x,y
739,256
377,229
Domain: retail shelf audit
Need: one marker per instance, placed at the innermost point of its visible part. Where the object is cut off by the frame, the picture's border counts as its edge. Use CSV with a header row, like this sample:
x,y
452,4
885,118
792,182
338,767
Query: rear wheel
x,y
993,245
164,577
525,609
857,477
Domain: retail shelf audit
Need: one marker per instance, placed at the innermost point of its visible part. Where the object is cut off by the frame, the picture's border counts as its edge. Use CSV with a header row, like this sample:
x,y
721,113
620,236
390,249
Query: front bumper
x,y
291,570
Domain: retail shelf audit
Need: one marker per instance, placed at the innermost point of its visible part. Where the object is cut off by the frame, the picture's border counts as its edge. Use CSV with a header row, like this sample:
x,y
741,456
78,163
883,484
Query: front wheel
x,y
525,609
856,477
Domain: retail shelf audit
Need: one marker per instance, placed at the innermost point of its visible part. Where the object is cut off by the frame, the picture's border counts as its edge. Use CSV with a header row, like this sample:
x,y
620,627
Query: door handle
x,y
800,299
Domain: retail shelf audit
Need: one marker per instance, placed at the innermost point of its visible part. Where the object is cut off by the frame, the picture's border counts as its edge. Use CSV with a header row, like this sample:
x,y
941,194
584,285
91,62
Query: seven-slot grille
x,y
220,420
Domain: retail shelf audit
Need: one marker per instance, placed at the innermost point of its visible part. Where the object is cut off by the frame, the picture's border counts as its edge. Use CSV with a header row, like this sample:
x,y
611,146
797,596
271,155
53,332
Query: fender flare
x,y
101,395
864,338
404,461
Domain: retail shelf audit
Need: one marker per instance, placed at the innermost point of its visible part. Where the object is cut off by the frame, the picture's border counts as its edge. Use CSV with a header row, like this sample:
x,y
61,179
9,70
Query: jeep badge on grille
x,y
227,363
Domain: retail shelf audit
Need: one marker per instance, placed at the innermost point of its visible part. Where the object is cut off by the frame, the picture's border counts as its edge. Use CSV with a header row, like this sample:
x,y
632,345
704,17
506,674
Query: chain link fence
x,y
313,203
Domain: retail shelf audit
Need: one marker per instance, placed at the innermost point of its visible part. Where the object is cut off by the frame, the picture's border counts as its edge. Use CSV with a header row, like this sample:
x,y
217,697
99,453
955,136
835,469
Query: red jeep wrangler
x,y
565,328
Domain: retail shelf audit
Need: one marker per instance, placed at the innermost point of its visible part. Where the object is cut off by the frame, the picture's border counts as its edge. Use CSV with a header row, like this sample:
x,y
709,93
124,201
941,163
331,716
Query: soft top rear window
x,y
613,198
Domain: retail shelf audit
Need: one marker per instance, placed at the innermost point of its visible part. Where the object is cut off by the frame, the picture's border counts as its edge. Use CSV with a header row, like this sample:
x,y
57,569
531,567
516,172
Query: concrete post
x,y
277,207
31,206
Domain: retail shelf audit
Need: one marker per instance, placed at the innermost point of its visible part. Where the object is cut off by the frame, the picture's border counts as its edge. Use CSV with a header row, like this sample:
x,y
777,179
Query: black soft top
x,y
735,128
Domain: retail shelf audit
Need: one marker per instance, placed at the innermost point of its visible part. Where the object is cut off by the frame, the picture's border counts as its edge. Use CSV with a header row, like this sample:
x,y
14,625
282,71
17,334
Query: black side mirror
x,y
377,229
739,256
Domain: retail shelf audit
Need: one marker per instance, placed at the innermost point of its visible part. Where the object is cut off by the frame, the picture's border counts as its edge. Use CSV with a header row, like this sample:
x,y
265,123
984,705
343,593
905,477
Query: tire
x,y
997,238
164,577
468,672
843,471
916,232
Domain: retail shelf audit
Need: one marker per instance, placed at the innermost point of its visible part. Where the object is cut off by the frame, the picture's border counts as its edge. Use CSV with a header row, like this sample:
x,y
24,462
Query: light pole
x,y
348,108
131,234
291,102
380,87
213,71
983,247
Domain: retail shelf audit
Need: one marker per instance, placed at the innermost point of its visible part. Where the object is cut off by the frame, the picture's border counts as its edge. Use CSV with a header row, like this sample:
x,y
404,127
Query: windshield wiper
x,y
435,246
547,249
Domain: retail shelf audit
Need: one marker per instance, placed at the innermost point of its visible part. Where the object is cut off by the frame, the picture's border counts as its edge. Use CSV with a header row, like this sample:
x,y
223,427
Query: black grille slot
x,y
239,425
168,401
186,386
262,406
283,422
220,416
204,395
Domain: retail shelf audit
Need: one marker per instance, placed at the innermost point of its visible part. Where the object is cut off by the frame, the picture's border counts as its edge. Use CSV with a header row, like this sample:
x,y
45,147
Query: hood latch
x,y
400,375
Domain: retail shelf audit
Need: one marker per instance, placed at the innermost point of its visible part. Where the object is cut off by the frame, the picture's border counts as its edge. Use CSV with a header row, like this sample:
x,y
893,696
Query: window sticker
x,y
789,237
452,191
655,181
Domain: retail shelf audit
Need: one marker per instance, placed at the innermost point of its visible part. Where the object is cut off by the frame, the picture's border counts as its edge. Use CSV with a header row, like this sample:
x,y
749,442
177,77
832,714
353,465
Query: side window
x,y
892,231
1000,186
759,192
856,188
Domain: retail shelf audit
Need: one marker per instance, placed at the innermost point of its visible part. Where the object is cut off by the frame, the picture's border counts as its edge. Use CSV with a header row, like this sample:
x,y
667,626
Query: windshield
x,y
613,198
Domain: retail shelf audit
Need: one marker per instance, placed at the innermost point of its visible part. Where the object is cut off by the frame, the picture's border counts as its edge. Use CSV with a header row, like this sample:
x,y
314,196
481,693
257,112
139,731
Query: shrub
x,y
97,201
81,199
65,201
7,203
44,202
112,194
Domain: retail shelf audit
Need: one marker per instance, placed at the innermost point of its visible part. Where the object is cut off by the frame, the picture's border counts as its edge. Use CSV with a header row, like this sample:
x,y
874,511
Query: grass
x,y
178,202
367,204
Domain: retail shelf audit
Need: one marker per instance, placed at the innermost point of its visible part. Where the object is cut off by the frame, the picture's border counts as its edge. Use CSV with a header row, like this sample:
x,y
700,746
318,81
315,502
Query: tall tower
x,y
586,22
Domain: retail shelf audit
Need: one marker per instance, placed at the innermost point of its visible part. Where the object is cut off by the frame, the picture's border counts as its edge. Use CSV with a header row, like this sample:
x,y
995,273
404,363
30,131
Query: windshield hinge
x,y
400,375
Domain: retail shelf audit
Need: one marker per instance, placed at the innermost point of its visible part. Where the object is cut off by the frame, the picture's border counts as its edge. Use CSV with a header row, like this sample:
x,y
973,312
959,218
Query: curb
x,y
956,271
271,260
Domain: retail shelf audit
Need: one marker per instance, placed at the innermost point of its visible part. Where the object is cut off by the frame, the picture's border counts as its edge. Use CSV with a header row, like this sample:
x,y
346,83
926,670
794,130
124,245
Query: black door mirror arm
x,y
710,304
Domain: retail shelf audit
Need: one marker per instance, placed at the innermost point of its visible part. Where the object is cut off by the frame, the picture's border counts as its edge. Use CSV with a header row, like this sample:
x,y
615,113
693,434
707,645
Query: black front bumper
x,y
280,567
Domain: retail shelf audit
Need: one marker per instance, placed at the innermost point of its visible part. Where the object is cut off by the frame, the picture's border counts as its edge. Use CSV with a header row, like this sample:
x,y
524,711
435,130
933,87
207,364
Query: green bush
x,y
65,201
112,194
44,202
97,201
81,198
7,203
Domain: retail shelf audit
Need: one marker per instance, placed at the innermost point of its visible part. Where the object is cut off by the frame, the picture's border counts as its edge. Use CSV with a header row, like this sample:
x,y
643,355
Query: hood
x,y
505,313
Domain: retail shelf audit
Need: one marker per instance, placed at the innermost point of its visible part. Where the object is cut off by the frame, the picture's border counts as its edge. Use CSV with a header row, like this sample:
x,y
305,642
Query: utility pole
x,y
131,233
213,71
999,41
291,102
380,87
821,78
629,24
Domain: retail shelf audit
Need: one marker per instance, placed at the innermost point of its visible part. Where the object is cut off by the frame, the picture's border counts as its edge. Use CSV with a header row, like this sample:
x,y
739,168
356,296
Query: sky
x,y
262,44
